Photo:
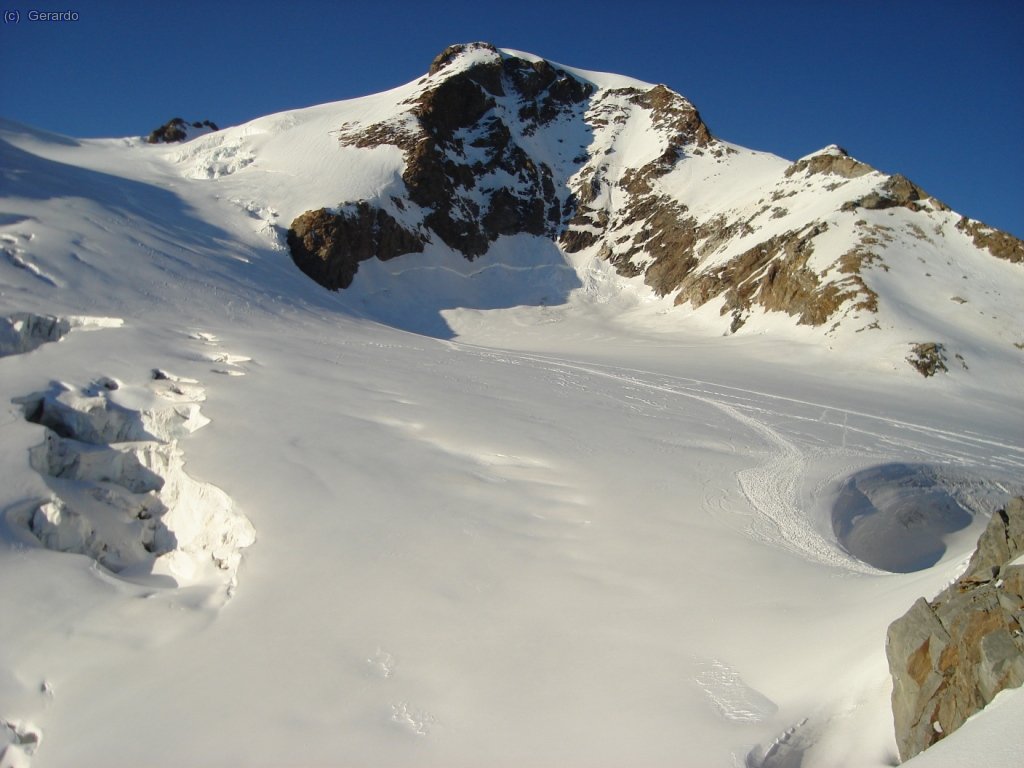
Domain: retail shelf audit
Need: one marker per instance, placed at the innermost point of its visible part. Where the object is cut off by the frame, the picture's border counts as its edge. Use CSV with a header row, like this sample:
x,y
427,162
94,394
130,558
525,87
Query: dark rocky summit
x,y
468,166
464,165
176,129
951,656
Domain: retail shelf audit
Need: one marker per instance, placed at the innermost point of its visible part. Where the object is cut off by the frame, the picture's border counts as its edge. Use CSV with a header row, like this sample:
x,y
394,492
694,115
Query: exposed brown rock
x,y
671,244
329,246
1002,245
896,191
459,101
459,113
670,238
751,275
928,358
951,656
774,275
664,247
678,120
836,163
449,54
676,115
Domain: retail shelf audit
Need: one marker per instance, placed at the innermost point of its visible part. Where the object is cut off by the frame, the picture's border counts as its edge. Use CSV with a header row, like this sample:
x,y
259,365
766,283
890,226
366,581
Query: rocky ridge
x,y
950,656
497,143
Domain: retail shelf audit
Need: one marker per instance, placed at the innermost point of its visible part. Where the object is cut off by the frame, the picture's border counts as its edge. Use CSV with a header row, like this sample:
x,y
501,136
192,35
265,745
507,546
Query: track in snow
x,y
773,486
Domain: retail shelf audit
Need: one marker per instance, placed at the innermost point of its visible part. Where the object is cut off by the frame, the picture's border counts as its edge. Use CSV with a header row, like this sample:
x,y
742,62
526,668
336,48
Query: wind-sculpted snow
x,y
15,252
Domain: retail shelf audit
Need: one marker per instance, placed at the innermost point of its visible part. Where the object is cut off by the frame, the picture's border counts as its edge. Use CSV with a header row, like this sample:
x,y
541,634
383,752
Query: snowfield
x,y
513,512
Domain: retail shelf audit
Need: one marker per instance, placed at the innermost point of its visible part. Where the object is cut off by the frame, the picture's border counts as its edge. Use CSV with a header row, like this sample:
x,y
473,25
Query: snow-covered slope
x,y
566,521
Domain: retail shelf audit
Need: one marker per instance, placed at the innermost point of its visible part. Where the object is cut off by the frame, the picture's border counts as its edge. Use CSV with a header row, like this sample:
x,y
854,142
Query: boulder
x,y
951,656
928,357
329,246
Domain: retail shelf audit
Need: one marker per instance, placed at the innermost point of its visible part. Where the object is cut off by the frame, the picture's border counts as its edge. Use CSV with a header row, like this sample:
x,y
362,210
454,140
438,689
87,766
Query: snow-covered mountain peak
x,y
832,159
461,56
832,149
499,144
512,180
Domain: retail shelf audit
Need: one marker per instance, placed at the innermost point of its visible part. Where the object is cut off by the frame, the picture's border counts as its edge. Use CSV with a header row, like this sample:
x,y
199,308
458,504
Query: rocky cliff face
x,y
951,656
496,143
329,246
467,141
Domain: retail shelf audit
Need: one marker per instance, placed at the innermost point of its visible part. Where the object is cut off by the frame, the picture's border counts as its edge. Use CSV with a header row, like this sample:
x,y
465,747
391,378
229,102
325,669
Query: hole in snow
x,y
902,517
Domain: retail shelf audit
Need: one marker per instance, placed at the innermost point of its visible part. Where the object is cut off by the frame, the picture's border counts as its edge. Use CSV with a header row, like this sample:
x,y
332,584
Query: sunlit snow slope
x,y
539,515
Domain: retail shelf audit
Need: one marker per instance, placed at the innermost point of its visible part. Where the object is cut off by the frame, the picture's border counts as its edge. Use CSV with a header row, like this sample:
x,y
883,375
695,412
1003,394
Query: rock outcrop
x,y
831,160
176,130
951,656
329,246
928,357
1000,244
466,164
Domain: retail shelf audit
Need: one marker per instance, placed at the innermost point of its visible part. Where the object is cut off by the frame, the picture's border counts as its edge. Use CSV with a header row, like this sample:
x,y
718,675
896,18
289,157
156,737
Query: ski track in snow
x,y
773,486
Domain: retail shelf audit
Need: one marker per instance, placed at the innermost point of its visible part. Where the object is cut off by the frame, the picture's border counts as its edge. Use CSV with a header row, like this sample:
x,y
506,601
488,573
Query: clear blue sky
x,y
933,90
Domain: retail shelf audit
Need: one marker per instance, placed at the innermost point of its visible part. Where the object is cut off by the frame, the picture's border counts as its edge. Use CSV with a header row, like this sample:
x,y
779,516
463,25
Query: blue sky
x,y
933,90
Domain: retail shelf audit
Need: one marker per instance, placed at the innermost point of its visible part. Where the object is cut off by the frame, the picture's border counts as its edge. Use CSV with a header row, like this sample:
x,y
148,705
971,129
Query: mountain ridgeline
x,y
497,143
